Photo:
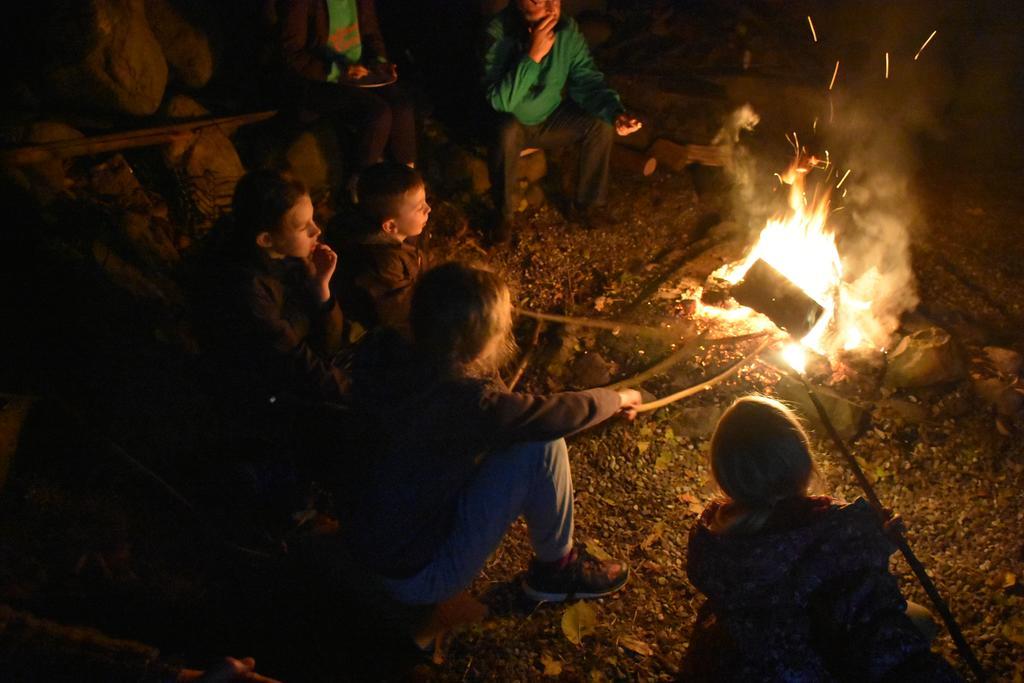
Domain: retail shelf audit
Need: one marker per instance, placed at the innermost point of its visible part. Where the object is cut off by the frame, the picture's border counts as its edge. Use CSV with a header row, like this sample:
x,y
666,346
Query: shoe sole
x,y
540,596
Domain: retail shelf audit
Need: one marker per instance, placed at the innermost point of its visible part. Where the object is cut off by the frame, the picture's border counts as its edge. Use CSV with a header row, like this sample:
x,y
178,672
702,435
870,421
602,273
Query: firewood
x,y
630,160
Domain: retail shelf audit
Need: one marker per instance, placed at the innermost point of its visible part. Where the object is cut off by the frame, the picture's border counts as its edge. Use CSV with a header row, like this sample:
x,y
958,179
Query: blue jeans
x,y
528,479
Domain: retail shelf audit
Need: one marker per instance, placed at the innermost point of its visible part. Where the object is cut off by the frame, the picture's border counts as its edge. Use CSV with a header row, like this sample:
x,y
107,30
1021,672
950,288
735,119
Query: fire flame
x,y
802,247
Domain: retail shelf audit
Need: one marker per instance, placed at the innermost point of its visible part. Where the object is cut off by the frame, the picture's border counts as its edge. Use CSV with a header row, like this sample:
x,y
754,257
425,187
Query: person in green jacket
x,y
533,55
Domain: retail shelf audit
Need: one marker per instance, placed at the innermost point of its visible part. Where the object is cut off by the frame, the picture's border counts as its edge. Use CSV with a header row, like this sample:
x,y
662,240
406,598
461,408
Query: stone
x,y
466,171
596,28
1005,361
846,417
315,157
186,47
206,160
535,196
115,180
925,358
532,167
150,239
14,410
46,179
1000,394
109,61
696,422
591,370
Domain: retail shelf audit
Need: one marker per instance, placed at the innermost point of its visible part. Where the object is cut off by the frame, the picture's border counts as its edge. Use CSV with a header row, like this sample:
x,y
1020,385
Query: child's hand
x,y
542,37
629,399
323,261
626,124
893,525
354,72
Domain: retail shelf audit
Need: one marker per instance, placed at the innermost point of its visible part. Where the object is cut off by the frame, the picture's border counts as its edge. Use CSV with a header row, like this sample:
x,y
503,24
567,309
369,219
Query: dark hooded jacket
x,y
807,598
431,433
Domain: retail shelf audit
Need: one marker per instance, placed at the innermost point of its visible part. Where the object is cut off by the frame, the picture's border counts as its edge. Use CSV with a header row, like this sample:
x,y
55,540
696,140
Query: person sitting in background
x,y
329,50
798,586
266,317
461,457
380,263
533,54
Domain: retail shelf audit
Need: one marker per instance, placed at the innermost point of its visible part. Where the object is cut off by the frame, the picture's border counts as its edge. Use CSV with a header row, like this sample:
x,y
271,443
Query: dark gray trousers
x,y
567,125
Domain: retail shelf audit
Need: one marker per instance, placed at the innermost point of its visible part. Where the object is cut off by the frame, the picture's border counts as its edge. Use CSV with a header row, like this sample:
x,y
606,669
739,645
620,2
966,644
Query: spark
x,y
781,181
814,126
887,66
843,178
814,34
844,192
831,109
834,74
921,49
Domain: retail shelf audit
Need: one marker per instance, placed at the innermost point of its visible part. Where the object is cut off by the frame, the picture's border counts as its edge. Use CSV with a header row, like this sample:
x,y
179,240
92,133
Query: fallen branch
x,y
613,325
112,142
706,384
527,354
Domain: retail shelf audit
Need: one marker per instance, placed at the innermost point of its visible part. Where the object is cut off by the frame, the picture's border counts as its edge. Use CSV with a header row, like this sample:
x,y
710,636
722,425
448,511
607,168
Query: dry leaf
x,y
636,645
595,549
578,622
654,536
552,667
642,446
1009,581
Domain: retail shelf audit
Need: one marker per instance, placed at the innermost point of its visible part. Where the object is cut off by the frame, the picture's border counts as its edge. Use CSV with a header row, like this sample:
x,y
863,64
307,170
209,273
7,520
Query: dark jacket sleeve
x,y
512,417
388,277
369,33
298,52
313,374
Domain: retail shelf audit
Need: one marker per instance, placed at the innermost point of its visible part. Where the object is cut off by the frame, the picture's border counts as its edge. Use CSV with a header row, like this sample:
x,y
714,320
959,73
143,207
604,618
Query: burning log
x,y
768,291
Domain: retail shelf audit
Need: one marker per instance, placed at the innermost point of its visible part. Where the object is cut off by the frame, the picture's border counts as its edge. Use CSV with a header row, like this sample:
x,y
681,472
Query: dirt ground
x,y
939,455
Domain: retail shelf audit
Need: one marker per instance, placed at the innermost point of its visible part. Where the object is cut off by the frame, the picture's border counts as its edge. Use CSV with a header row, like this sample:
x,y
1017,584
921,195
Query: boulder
x,y
596,28
1005,361
47,179
315,157
925,358
1000,394
186,47
533,166
206,160
696,422
115,180
535,196
466,171
109,60
846,417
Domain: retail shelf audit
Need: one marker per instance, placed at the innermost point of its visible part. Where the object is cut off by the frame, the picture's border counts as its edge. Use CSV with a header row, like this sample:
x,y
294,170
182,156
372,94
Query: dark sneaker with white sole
x,y
582,576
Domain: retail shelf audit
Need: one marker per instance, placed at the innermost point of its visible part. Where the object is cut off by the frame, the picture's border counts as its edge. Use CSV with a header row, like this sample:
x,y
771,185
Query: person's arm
x,y
586,84
299,361
513,417
294,28
389,286
508,76
374,49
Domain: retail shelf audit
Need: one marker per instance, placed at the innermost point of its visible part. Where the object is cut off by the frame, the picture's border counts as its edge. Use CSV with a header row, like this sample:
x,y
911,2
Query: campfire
x,y
794,275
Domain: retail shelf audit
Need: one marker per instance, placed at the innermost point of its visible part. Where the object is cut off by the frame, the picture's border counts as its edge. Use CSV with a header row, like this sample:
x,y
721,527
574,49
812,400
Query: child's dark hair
x,y
382,187
760,455
461,319
261,200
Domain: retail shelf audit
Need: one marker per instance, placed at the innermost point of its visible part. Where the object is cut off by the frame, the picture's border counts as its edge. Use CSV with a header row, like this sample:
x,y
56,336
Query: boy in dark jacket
x,y
380,263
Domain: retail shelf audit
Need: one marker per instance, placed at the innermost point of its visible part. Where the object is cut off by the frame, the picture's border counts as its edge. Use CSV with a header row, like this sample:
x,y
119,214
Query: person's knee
x,y
510,135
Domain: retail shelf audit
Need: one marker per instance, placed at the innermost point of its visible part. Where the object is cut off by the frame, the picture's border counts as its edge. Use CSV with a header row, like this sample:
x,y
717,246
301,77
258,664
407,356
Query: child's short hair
x,y
460,316
382,187
261,200
760,454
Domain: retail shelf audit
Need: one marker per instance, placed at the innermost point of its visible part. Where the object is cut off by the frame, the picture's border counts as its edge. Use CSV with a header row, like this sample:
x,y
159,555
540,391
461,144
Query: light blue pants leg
x,y
528,479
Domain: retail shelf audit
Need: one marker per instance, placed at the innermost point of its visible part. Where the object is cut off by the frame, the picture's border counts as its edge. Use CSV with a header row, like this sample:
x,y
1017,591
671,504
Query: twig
x,y
613,325
900,541
697,388
527,354
678,356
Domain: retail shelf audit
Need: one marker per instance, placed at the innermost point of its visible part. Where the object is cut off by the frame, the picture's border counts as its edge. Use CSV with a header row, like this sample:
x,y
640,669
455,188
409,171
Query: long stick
x,y
110,142
527,353
706,384
901,542
613,325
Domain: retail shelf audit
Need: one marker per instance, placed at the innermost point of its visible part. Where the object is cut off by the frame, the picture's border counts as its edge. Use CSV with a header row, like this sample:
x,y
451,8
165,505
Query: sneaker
x,y
581,576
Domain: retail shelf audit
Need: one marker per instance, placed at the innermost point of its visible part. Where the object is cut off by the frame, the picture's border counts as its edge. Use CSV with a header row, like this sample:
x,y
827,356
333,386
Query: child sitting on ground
x,y
797,586
266,316
380,263
461,457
